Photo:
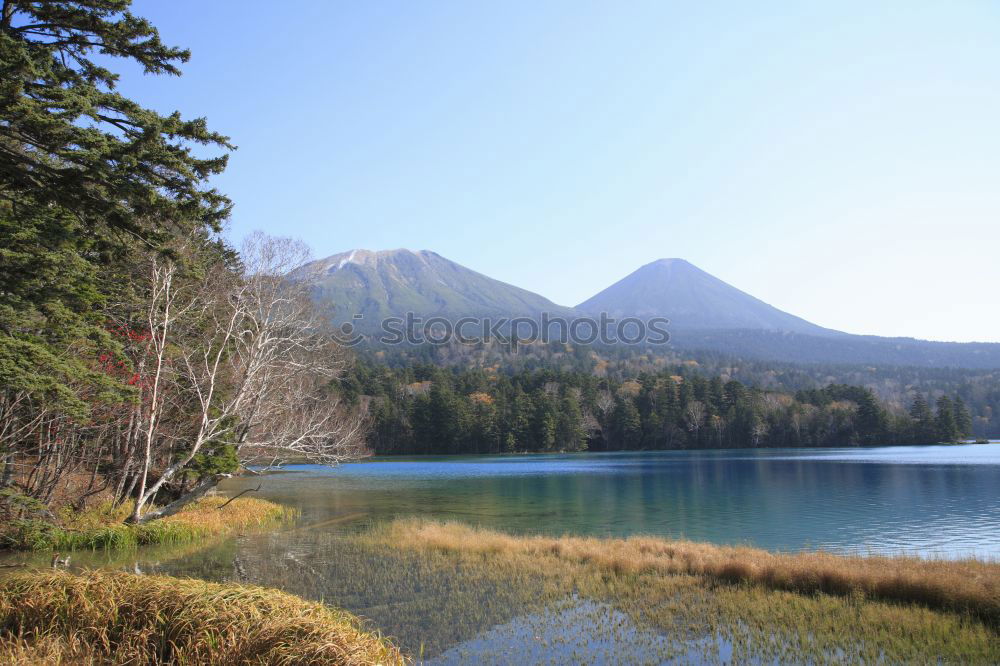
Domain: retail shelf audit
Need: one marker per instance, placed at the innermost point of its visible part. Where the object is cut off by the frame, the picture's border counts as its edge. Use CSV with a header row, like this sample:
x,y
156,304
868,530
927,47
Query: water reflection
x,y
942,501
578,631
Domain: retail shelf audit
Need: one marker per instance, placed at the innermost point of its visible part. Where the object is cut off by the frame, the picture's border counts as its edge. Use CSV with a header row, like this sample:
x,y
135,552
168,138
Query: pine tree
x,y
717,395
483,436
544,421
944,422
517,425
569,430
963,419
872,419
627,424
69,139
50,301
923,420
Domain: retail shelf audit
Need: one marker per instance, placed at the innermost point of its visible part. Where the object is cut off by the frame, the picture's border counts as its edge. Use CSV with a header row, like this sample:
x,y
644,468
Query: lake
x,y
941,501
930,500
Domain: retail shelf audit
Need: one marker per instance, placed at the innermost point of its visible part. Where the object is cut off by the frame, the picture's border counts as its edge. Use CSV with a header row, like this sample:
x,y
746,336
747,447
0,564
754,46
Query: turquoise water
x,y
930,500
935,500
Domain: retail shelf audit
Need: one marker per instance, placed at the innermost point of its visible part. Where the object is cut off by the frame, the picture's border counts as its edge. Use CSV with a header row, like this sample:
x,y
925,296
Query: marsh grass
x,y
101,616
767,607
963,586
104,527
47,649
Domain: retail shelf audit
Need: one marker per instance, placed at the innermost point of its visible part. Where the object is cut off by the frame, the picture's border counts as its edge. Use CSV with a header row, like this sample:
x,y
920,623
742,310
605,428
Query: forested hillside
x,y
895,386
427,409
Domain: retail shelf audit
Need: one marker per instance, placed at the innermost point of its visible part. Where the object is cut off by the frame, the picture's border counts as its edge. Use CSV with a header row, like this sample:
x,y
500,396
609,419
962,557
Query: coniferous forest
x,y
896,387
430,410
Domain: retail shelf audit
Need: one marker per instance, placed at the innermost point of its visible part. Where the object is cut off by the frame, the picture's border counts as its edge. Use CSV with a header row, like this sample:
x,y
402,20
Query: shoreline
x,y
103,527
767,605
519,454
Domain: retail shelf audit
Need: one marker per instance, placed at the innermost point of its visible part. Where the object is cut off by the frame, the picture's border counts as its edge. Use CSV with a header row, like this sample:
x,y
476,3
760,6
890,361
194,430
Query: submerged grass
x,y
102,617
103,526
760,606
963,586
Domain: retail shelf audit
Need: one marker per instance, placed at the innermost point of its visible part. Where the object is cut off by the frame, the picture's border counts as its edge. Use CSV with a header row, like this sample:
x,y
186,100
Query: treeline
x,y
141,357
895,386
428,409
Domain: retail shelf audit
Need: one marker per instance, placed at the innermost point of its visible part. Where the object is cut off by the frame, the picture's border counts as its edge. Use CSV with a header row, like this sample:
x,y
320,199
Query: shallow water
x,y
941,501
579,632
931,500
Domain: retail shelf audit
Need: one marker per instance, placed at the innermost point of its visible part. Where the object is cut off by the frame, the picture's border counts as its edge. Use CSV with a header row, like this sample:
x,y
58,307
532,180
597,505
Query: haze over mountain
x,y
390,283
705,313
692,299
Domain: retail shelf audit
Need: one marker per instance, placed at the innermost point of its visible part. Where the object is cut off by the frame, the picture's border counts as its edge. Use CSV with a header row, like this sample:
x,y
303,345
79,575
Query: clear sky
x,y
839,160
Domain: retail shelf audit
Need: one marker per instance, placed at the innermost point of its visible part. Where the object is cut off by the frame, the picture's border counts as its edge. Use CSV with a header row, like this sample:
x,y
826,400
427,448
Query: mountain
x,y
705,313
692,300
391,283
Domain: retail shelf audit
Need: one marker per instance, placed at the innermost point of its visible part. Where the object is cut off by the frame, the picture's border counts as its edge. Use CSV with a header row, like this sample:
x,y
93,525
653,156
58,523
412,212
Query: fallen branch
x,y
248,490
198,491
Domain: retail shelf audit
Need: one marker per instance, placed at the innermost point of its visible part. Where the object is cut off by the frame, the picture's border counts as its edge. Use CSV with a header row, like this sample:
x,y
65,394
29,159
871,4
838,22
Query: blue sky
x,y
841,161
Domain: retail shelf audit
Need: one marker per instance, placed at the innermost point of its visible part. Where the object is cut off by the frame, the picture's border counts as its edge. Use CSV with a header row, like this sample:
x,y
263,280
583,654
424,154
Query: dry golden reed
x,y
962,586
111,617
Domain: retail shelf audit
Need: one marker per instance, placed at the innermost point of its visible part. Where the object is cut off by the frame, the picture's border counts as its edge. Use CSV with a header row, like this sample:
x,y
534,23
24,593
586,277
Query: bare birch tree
x,y
253,369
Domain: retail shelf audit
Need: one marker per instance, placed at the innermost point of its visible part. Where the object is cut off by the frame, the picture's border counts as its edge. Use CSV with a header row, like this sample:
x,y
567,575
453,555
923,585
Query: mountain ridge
x,y
705,312
391,283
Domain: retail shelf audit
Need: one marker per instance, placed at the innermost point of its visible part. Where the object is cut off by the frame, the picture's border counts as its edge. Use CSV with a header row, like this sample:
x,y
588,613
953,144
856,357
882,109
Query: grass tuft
x,y
58,617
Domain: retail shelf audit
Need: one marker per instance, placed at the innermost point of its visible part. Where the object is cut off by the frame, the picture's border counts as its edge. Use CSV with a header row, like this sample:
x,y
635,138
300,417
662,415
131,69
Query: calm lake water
x,y
935,500
931,500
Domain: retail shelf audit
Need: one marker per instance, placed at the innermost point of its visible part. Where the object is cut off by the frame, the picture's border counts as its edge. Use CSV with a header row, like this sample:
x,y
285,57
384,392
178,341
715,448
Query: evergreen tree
x,y
70,140
872,419
627,424
946,429
717,395
50,301
517,422
544,421
84,170
923,420
483,434
569,430
963,419
544,410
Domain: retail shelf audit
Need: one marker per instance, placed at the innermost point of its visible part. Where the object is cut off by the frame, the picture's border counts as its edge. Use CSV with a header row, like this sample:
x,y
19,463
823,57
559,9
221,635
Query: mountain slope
x,y
393,282
692,300
705,313
844,349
